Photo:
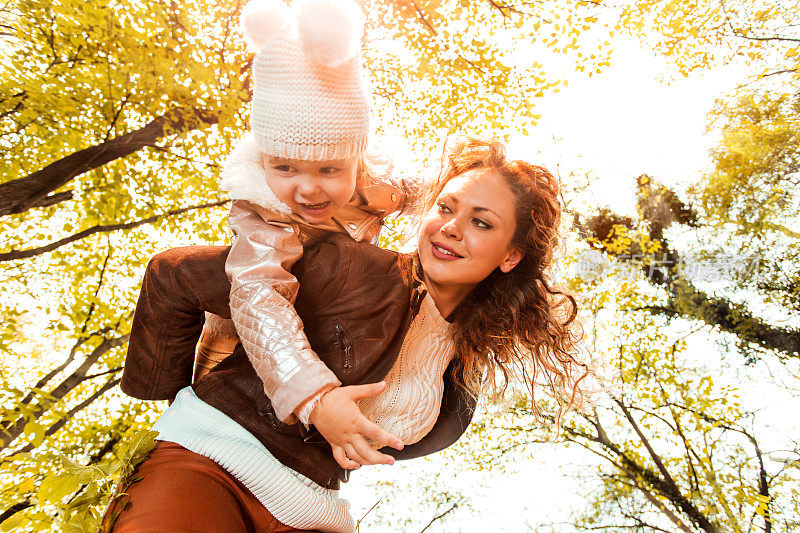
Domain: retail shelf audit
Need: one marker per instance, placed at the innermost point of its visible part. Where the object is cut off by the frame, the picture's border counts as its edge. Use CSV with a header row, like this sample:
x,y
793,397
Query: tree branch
x,y
675,519
763,484
50,375
773,38
635,471
438,517
69,383
52,199
644,440
14,509
72,412
504,9
685,299
19,195
24,254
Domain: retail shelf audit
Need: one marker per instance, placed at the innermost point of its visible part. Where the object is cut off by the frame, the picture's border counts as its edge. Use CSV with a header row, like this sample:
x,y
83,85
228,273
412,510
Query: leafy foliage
x,y
699,34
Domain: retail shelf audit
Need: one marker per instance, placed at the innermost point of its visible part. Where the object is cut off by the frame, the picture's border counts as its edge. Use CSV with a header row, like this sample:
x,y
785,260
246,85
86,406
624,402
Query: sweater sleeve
x,y
263,291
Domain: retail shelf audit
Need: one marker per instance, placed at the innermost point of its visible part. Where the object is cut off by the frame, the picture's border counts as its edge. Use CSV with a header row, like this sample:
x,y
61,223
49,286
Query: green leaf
x,y
54,488
36,432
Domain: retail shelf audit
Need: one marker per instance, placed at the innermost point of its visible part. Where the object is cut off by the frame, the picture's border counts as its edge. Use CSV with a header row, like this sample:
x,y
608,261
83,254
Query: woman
x,y
472,309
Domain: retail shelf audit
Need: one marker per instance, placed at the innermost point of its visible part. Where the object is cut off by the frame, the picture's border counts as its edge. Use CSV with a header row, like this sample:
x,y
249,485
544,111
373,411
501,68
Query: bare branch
x,y
19,195
52,199
24,254
636,471
112,371
653,455
54,372
504,9
14,509
72,412
358,523
772,38
690,452
438,517
660,505
116,116
69,383
11,111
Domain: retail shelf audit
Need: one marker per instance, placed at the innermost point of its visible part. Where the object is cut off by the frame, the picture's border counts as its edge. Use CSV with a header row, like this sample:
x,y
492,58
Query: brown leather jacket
x,y
355,298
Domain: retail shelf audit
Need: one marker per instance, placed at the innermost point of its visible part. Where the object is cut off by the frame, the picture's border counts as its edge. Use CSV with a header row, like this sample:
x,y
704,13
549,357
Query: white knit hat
x,y
309,101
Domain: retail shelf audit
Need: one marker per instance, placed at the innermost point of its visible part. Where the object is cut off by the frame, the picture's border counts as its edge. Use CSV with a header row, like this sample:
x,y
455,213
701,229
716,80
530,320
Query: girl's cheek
x,y
344,190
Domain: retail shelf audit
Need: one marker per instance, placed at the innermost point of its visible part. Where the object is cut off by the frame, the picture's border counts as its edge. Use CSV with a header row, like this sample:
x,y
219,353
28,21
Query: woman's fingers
x,y
342,459
339,420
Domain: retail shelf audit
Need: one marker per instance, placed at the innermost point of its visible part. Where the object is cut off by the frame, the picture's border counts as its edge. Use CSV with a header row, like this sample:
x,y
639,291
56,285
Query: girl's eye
x,y
482,223
283,168
328,170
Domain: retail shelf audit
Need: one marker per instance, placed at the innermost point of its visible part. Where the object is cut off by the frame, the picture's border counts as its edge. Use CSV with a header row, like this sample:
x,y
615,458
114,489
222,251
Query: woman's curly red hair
x,y
519,324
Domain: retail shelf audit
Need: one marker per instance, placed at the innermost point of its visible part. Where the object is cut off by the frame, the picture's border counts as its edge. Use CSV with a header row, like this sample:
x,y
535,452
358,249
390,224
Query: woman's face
x,y
467,233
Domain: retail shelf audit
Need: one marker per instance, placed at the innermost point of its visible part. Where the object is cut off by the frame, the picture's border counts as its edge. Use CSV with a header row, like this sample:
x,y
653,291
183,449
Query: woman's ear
x,y
512,259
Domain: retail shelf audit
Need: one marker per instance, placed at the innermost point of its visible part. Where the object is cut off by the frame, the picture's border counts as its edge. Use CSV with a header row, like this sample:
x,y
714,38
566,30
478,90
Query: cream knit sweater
x,y
409,405
407,408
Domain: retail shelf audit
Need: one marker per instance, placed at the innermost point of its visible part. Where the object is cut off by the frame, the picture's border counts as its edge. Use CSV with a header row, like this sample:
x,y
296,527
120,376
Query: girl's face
x,y
315,190
467,233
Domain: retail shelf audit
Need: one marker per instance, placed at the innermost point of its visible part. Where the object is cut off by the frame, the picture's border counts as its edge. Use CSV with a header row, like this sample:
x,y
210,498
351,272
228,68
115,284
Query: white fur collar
x,y
243,176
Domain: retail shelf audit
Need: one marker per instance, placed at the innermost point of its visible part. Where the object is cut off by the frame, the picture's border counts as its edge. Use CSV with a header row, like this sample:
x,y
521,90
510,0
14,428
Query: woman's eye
x,y
482,223
444,209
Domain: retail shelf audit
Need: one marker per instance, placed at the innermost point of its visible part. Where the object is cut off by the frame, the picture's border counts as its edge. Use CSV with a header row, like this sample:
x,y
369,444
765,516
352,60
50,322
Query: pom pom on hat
x,y
330,30
261,20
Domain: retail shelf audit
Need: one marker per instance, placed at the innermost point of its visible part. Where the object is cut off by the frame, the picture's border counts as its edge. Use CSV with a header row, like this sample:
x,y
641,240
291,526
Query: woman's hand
x,y
338,419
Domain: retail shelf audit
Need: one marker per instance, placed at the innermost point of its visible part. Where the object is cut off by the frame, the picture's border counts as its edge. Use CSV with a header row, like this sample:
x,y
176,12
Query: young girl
x,y
300,174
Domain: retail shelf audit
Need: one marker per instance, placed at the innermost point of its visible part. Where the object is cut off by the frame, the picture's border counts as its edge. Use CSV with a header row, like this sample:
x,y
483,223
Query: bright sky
x,y
626,122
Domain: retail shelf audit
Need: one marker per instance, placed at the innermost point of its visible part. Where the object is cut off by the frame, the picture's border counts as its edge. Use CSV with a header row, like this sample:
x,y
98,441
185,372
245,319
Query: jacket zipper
x,y
344,343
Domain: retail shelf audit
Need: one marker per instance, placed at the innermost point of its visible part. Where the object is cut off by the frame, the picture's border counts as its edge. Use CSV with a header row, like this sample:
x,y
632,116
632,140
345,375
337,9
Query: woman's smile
x,y
444,253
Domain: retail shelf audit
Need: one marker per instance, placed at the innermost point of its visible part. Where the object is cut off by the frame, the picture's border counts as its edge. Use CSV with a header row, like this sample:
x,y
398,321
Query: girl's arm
x,y
298,383
262,295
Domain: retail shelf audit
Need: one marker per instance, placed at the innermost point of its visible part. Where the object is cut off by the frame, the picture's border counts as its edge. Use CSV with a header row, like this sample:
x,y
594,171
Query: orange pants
x,y
178,491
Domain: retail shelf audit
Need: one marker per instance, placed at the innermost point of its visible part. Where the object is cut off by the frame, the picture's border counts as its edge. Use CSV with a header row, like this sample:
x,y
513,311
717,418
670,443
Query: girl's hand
x,y
339,420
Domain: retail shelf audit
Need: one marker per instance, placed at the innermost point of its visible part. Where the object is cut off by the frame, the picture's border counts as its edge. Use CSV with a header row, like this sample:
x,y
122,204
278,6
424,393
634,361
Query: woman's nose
x,y
451,229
